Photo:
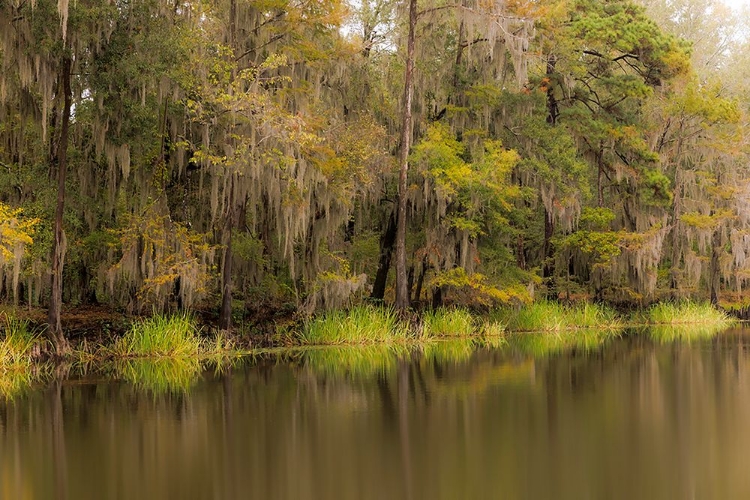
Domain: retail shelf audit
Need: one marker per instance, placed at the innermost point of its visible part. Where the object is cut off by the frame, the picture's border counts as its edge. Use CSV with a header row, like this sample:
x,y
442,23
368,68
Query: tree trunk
x,y
600,176
225,316
437,297
386,252
520,252
402,289
552,109
420,281
714,270
548,271
674,272
54,331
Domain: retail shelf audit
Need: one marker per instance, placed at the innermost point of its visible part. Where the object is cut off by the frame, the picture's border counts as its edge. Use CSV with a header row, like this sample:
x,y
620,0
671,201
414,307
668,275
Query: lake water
x,y
634,417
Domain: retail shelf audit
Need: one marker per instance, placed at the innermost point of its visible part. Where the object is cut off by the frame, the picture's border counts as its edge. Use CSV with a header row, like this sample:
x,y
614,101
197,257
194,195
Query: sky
x,y
737,3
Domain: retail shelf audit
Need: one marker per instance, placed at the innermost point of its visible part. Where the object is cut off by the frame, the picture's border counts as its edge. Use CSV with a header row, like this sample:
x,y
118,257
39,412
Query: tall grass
x,y
160,336
548,316
445,322
17,348
17,344
684,313
359,325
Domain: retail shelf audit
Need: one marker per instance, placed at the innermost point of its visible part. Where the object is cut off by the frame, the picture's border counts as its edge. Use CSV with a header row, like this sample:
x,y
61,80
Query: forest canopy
x,y
238,155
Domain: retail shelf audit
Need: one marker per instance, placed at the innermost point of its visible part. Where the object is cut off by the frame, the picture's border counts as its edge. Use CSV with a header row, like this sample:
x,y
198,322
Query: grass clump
x,y
549,316
359,325
448,322
685,313
492,329
18,347
160,336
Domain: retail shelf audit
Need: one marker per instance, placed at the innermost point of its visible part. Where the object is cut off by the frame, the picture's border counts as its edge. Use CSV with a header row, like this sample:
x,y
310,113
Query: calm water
x,y
629,418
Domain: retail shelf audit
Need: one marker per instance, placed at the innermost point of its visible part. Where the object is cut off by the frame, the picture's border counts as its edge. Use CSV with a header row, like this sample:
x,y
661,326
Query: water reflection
x,y
683,333
627,417
159,375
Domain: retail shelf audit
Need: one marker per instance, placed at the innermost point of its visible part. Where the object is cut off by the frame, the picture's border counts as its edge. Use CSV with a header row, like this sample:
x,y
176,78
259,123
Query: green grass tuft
x,y
17,345
17,349
445,322
160,336
684,313
359,325
548,316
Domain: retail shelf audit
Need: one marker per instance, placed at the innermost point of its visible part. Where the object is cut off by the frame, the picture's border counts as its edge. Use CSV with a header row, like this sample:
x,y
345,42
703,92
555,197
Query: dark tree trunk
x,y
674,273
437,297
54,331
548,272
520,252
552,108
420,281
714,271
225,316
410,281
402,288
387,241
600,176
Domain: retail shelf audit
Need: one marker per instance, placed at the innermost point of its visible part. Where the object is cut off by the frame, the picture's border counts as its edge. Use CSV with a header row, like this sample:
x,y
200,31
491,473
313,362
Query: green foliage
x,y
15,232
157,254
474,289
596,219
703,221
594,239
248,247
441,155
192,133
657,188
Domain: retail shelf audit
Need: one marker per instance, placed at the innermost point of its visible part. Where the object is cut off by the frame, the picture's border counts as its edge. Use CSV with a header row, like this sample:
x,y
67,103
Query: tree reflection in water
x,y
632,418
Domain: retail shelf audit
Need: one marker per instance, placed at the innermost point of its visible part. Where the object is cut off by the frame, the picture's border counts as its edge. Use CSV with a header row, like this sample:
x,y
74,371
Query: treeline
x,y
239,155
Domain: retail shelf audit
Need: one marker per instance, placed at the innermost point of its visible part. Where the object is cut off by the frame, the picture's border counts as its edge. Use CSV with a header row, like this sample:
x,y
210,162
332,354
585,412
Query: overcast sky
x,y
737,3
